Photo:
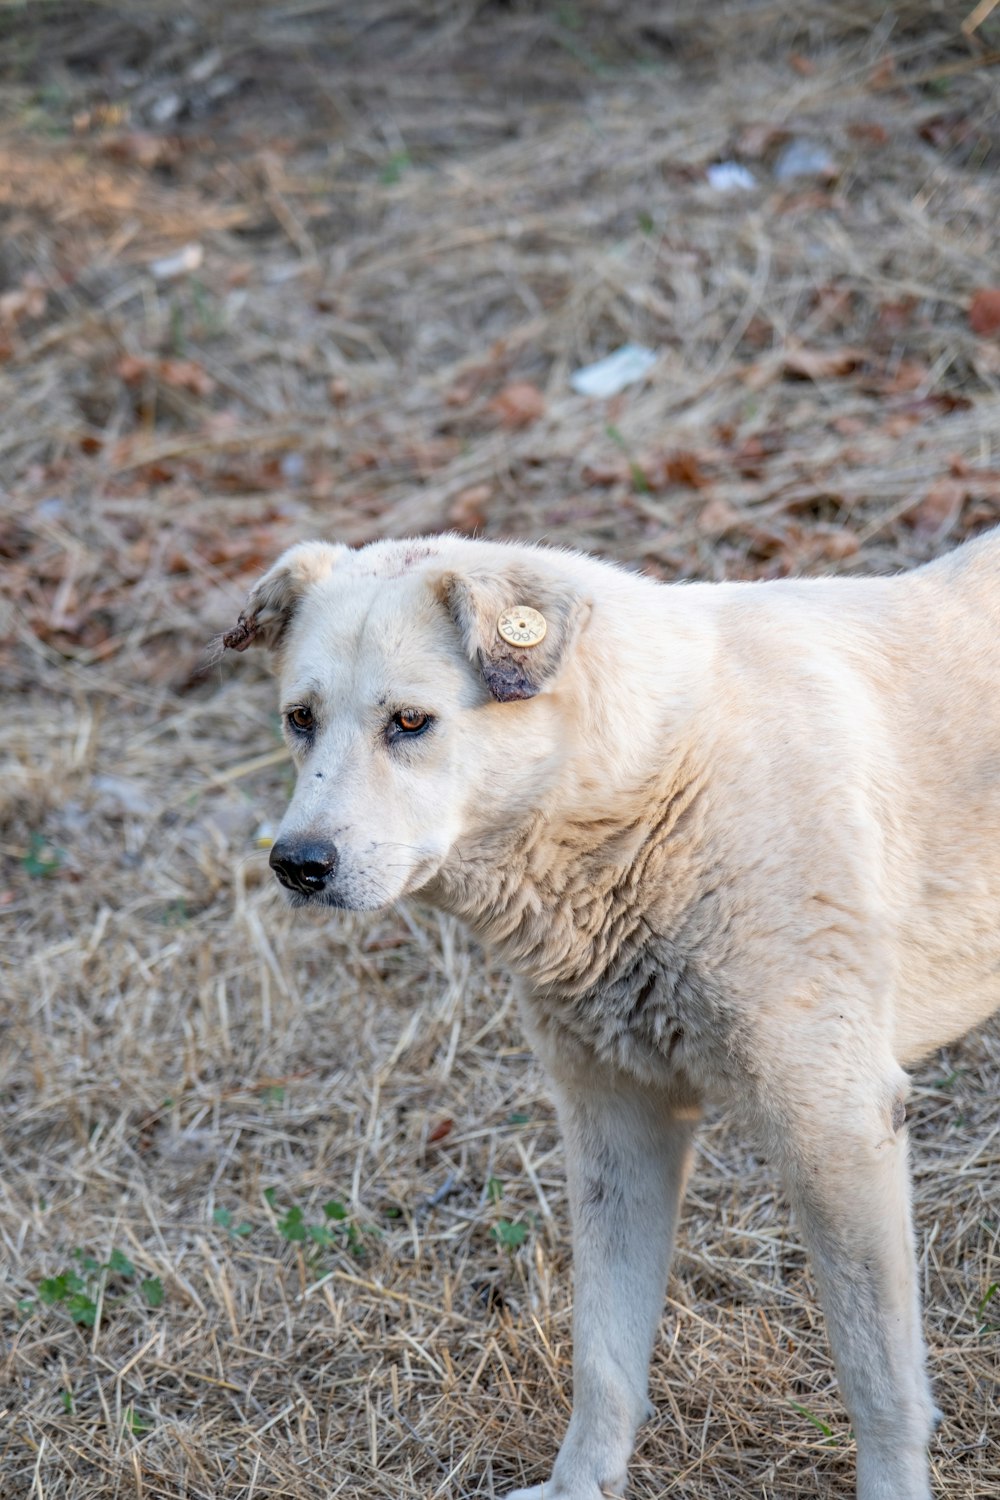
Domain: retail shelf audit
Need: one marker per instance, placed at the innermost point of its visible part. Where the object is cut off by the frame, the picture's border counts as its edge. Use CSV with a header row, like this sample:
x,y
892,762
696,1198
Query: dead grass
x,y
401,211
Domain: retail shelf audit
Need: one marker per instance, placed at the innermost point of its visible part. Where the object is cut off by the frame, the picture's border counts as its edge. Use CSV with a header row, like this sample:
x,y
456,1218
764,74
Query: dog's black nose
x,y
303,866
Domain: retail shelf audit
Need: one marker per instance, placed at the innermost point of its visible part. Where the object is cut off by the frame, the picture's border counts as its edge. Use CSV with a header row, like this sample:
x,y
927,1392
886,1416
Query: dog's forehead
x,y
379,626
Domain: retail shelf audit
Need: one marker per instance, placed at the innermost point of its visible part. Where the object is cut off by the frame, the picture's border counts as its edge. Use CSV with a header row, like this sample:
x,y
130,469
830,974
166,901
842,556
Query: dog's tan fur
x,y
741,841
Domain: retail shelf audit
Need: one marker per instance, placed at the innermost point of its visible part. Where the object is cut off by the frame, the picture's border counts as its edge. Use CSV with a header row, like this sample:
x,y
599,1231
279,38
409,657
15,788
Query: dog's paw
x,y
553,1490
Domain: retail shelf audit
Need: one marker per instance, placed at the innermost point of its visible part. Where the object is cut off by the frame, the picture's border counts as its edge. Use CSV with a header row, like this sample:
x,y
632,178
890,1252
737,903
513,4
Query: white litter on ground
x,y
606,377
730,177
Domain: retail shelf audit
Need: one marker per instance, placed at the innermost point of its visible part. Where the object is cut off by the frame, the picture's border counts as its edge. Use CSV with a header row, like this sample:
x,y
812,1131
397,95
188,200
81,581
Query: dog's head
x,y
421,701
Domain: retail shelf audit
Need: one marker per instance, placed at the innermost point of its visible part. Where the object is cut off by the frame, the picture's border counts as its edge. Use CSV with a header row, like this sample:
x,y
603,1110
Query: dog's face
x,y
411,720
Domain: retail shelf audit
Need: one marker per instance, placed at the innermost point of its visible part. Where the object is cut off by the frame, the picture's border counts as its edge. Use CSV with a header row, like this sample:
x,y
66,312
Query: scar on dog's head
x,y
477,599
273,599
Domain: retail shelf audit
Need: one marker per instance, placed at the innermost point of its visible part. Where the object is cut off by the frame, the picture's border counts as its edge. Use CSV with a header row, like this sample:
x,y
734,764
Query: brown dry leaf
x,y
984,312
27,301
868,132
909,375
606,473
821,364
185,374
519,404
133,367
430,454
440,1131
936,513
835,543
143,148
758,138
681,467
467,512
883,75
716,517
182,374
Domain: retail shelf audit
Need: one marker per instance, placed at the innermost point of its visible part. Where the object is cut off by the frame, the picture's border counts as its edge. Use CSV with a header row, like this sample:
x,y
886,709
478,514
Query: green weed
x,y
817,1422
42,858
640,483
224,1219
335,1230
398,163
509,1235
78,1290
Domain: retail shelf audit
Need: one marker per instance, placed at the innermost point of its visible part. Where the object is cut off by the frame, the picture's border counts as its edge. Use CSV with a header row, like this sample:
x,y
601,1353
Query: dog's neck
x,y
568,897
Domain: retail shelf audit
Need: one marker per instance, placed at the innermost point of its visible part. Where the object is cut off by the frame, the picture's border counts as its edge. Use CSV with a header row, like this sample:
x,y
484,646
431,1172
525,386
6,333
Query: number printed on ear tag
x,y
521,626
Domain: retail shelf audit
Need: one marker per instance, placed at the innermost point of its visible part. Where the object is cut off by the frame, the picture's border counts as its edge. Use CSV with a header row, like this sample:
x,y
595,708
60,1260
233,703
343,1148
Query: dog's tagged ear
x,y
273,600
517,625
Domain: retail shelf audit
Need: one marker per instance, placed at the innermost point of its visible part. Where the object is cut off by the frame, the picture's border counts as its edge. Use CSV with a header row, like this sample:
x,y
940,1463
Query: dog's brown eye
x,y
411,720
301,719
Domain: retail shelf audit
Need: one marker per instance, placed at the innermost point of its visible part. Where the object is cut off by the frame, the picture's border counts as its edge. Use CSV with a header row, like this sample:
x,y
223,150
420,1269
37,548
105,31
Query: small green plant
x,y
394,168
41,858
136,1425
77,1291
337,1228
640,483
224,1219
991,1292
509,1235
817,1422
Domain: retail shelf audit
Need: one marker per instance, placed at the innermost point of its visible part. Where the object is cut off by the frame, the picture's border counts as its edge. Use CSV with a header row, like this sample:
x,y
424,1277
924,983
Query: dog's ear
x,y
517,624
273,600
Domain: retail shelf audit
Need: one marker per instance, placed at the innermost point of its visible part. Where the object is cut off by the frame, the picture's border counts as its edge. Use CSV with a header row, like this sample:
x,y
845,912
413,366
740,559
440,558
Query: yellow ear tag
x,y
521,626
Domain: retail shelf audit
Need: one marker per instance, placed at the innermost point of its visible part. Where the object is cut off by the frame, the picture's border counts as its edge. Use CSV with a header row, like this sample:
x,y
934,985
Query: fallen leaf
x,y
143,149
26,301
440,1131
849,426
938,510
883,75
185,375
467,512
716,517
984,312
869,132
758,138
681,467
609,472
821,364
182,374
519,404
835,543
909,375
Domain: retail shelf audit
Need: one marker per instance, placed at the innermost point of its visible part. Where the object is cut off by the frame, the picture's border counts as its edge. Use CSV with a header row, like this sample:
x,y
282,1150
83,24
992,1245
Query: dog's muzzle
x,y
303,867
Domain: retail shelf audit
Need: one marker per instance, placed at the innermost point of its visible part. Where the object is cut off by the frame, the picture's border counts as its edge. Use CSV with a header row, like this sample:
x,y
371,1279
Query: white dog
x,y
741,841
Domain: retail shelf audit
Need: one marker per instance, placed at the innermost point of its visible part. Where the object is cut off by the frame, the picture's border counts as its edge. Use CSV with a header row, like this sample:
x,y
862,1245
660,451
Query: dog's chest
x,y
660,1014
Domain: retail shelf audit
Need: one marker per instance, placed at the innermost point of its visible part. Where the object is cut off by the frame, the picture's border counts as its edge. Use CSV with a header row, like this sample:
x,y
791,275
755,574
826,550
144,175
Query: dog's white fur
x,y
741,841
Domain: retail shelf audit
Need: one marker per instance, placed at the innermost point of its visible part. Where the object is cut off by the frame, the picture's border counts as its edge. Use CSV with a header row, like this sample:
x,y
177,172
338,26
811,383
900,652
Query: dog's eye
x,y
411,720
301,719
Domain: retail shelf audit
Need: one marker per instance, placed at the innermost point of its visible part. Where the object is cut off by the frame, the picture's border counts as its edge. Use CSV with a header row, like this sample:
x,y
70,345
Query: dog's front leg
x,y
628,1154
839,1131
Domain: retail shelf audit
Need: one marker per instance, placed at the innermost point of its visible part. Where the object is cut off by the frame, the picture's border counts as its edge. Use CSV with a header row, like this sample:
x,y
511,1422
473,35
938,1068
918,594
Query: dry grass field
x,y
282,1209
